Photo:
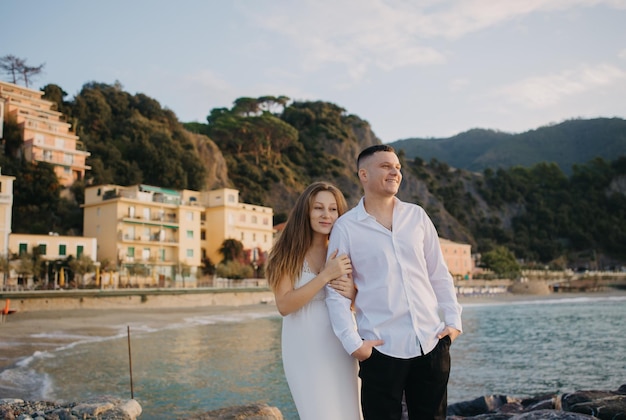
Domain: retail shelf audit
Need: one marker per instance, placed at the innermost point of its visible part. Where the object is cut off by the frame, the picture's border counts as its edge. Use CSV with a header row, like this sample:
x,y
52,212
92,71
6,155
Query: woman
x,y
322,377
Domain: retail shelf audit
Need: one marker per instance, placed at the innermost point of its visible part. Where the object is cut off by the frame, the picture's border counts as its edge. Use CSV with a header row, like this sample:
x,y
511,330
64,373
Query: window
x,y
130,252
23,249
242,217
266,221
79,250
62,249
254,237
161,254
242,236
189,216
231,198
203,235
190,253
254,220
42,249
98,211
145,254
190,234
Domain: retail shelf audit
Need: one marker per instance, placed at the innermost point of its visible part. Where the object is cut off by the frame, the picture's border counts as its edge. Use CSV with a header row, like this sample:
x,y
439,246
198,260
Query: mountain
x,y
270,149
566,144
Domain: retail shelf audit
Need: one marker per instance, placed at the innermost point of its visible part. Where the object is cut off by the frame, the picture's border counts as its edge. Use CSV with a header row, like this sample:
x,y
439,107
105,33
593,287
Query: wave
x,y
543,300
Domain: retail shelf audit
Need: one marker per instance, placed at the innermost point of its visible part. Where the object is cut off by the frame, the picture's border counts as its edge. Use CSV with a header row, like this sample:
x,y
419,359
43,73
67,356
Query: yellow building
x,y
6,209
227,218
158,233
47,137
458,258
53,247
151,234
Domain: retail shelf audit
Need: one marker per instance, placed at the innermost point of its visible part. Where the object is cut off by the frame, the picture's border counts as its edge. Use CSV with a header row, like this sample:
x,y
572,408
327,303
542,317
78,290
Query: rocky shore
x,y
579,405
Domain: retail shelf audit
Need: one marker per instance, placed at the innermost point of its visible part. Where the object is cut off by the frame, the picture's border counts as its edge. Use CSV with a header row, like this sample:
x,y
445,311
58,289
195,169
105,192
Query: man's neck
x,y
379,207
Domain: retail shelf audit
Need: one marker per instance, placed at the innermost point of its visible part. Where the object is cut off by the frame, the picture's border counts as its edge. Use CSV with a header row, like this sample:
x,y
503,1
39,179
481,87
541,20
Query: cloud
x,y
389,34
549,90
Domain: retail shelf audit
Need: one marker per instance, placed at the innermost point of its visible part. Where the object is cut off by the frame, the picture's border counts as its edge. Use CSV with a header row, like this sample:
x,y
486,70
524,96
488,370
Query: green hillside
x,y
566,144
270,148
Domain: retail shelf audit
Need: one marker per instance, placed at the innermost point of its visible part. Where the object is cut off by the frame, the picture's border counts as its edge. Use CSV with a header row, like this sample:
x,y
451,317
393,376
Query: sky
x,y
411,68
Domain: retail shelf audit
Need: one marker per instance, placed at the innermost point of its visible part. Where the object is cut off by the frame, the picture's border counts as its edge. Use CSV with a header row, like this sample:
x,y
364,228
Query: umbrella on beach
x,y
61,277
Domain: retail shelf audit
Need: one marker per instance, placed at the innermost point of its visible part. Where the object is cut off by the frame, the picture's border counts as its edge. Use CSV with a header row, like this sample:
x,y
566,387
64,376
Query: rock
x,y
551,415
480,405
247,412
101,408
601,404
577,405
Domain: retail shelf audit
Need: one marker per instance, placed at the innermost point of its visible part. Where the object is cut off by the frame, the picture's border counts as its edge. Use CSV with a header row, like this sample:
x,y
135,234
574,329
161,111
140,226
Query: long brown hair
x,y
287,255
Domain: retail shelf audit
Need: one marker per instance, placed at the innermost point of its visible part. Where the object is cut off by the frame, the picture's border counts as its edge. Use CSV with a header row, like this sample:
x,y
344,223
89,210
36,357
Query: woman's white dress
x,y
322,377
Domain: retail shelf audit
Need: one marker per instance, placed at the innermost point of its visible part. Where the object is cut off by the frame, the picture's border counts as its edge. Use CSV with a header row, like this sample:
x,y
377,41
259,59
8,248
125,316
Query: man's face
x,y
380,174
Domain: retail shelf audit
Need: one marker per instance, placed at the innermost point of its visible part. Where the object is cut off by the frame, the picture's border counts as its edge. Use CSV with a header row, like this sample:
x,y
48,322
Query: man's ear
x,y
362,174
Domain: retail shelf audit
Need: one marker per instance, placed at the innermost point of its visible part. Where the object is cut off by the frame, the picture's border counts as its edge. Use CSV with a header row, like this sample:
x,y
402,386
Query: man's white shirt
x,y
406,294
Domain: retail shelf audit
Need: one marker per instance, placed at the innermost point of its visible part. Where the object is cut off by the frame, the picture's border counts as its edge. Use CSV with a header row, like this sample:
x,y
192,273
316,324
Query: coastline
x,y
30,336
26,332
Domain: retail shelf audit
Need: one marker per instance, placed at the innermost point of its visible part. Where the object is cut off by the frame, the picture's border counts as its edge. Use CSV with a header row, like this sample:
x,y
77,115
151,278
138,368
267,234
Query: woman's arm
x,y
289,300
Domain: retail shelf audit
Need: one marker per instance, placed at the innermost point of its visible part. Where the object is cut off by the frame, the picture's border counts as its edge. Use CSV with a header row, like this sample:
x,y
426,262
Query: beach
x,y
24,333
199,358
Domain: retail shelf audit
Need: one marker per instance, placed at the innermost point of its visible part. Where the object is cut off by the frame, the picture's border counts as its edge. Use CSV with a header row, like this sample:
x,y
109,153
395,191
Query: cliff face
x,y
213,160
328,158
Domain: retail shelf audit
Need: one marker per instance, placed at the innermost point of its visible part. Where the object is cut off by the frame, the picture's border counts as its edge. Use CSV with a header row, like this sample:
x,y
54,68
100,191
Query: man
x,y
406,308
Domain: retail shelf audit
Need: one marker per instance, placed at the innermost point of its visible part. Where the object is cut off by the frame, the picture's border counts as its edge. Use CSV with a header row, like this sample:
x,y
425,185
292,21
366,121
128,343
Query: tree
x,y
11,65
501,261
231,250
5,267
81,266
17,69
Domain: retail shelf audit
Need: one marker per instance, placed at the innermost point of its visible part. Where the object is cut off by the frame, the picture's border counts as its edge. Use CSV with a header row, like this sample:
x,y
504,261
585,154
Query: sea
x,y
518,348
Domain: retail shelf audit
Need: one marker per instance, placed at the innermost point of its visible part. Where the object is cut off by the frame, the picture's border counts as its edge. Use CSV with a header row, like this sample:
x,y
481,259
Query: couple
x,y
383,259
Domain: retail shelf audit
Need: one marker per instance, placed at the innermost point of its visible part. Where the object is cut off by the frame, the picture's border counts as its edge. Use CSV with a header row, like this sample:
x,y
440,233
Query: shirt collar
x,y
362,214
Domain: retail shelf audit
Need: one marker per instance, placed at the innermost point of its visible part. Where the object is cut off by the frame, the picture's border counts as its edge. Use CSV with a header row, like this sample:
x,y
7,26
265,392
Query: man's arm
x,y
442,282
341,318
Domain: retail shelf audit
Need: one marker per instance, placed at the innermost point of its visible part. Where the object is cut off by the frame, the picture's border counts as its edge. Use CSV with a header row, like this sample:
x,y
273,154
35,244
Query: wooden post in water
x,y
130,365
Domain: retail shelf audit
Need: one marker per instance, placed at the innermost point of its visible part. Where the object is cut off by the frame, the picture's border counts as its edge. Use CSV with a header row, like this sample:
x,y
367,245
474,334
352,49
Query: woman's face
x,y
323,212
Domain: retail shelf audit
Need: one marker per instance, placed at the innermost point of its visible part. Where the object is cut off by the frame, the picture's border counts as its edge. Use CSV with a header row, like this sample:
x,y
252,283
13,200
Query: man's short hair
x,y
367,152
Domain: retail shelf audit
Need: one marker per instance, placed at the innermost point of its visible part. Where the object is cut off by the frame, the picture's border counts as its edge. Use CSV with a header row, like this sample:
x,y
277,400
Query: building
x,y
6,210
164,235
458,258
161,233
150,234
227,218
46,135
53,247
